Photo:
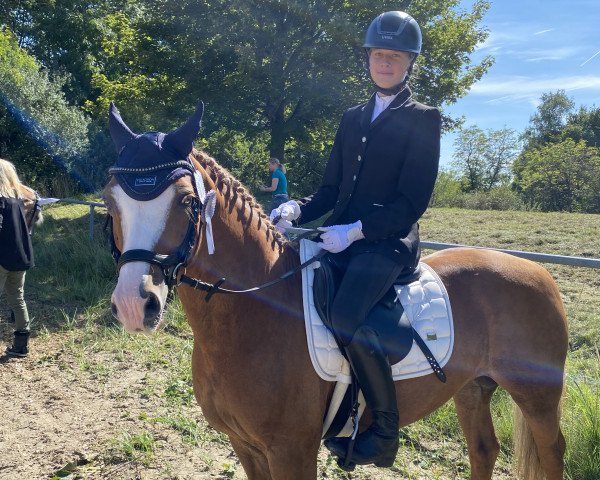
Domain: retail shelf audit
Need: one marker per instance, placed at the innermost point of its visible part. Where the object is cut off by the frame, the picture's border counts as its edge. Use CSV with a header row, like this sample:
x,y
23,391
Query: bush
x,y
500,198
448,193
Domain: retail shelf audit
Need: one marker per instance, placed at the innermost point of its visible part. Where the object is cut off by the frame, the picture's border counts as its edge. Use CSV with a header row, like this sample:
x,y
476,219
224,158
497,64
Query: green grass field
x,y
74,276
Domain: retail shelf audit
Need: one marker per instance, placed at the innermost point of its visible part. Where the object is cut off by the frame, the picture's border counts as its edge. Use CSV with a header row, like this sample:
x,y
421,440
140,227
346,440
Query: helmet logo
x,y
386,37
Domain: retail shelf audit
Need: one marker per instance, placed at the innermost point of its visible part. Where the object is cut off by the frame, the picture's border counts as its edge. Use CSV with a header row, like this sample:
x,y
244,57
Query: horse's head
x,y
33,209
153,198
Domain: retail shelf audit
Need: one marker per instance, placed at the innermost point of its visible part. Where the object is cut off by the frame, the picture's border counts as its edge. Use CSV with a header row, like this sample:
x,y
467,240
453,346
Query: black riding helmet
x,y
394,30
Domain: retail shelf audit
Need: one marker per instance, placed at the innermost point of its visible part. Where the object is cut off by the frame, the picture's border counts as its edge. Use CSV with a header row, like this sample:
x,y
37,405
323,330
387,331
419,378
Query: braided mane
x,y
233,190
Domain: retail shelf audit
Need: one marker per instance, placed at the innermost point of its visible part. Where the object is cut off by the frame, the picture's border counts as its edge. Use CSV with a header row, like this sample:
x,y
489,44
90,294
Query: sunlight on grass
x,y
75,276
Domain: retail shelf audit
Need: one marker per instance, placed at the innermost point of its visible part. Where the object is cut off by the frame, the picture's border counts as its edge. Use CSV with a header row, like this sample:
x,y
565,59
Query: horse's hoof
x,y
349,467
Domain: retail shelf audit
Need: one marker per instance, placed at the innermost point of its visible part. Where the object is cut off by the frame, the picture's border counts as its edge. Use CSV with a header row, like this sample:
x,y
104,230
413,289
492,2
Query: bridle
x,y
36,208
171,265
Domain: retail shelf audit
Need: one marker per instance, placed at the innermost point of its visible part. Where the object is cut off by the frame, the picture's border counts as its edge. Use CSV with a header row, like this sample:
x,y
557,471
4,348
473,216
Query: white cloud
x,y
544,31
519,88
537,55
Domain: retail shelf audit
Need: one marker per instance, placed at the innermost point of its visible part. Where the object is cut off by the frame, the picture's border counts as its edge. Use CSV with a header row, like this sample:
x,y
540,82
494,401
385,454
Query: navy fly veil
x,y
150,162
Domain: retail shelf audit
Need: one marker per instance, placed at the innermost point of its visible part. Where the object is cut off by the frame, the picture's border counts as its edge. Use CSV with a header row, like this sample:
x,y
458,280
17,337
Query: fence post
x,y
92,211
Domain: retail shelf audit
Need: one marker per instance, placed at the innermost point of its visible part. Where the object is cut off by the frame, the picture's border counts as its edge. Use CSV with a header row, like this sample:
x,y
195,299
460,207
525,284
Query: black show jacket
x,y
381,173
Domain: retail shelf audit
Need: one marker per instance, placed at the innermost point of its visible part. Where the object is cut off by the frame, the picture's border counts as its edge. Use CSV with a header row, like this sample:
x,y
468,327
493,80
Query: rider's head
x,y
393,41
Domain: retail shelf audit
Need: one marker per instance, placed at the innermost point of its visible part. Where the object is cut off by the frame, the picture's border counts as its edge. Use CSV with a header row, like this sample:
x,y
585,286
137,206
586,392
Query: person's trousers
x,y
368,276
278,200
12,283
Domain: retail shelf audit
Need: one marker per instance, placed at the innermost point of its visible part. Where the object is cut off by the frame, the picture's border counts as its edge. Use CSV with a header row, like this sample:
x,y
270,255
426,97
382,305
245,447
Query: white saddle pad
x,y
425,303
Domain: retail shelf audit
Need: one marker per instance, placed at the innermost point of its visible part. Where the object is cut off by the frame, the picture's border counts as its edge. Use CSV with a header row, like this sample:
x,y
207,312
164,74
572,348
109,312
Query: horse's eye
x,y
187,200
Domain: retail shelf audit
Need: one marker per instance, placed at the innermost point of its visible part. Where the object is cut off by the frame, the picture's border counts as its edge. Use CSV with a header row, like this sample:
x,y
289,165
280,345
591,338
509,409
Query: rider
x,y
378,181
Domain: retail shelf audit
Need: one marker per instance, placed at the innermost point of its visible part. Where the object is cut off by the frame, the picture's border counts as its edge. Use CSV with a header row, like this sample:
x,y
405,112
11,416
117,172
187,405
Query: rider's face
x,y
388,67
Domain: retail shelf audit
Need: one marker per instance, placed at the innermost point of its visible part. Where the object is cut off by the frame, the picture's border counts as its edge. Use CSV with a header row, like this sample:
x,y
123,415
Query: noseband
x,y
173,263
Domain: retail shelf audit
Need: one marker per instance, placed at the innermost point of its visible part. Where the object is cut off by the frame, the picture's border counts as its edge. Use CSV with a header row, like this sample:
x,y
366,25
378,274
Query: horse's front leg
x,y
289,460
253,461
293,459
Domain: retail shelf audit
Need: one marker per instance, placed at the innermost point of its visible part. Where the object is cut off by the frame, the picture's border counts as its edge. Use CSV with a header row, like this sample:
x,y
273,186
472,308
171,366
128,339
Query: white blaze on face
x,y
142,223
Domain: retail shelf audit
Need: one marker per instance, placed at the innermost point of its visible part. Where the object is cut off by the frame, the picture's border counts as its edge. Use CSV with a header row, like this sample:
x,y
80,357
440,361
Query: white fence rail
x,y
536,257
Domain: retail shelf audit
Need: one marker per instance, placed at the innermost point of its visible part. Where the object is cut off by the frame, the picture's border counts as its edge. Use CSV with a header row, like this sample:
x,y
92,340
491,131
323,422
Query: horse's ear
x,y
182,139
119,132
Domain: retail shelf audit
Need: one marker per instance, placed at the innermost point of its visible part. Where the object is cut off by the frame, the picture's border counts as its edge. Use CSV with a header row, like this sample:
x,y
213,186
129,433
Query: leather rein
x,y
173,265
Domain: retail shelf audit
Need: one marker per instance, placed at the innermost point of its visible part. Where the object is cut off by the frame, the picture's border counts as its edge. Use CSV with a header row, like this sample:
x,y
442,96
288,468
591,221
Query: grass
x,y
74,277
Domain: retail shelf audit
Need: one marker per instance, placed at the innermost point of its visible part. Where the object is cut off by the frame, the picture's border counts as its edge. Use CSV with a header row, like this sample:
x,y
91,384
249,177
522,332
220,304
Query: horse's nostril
x,y
152,311
152,305
113,308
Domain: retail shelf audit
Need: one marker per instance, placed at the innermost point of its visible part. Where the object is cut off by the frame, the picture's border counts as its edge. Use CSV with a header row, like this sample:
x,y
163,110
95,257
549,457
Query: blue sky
x,y
538,46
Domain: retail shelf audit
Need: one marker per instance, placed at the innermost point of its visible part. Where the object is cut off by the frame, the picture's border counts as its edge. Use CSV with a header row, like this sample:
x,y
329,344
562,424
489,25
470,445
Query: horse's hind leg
x,y
473,409
540,445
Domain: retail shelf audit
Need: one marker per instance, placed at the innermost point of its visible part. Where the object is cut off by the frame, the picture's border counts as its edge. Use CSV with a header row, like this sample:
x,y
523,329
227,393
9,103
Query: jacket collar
x,y
367,110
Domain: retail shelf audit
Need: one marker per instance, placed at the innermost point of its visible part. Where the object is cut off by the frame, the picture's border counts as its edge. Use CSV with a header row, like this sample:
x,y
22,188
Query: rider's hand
x,y
289,211
282,225
339,237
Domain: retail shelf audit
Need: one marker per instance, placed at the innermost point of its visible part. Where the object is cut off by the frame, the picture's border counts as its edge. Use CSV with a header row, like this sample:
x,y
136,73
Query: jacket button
x,y
364,139
354,178
359,158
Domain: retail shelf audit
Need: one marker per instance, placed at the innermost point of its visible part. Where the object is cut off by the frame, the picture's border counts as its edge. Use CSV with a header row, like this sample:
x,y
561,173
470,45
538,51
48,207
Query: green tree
x,y
562,176
287,69
484,158
549,120
583,125
40,130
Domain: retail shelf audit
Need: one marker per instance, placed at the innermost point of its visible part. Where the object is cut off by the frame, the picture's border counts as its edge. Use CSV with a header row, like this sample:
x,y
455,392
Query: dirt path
x,y
63,416
54,418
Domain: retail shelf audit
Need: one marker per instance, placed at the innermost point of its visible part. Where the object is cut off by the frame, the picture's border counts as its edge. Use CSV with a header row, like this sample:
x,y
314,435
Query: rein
x,y
211,289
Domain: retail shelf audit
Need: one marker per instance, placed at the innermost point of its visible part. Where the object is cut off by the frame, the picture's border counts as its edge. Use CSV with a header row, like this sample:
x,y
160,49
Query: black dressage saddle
x,y
395,331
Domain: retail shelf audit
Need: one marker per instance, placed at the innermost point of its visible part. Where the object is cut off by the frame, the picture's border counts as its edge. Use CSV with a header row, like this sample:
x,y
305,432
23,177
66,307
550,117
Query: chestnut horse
x,y
33,210
252,374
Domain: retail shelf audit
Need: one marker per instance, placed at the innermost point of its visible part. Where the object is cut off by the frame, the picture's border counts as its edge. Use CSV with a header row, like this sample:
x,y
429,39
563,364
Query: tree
x,y
484,158
583,125
285,68
562,176
40,130
549,120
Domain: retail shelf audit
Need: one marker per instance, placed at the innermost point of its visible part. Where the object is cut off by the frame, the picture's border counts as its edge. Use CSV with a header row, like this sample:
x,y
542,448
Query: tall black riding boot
x,y
19,348
379,443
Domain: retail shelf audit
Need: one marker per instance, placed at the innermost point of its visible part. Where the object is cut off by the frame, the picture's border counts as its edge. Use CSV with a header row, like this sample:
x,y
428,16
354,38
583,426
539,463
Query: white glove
x,y
339,237
289,210
282,225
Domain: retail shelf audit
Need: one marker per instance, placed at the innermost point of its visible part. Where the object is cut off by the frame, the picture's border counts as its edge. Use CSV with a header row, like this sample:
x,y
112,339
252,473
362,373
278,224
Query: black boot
x,y
379,444
19,348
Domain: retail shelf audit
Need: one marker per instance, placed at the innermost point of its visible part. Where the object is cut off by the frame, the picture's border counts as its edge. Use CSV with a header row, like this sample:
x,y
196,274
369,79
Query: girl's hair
x,y
10,185
275,161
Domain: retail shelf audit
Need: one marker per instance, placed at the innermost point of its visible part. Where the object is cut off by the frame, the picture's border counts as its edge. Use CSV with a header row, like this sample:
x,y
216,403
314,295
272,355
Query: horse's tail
x,y
526,458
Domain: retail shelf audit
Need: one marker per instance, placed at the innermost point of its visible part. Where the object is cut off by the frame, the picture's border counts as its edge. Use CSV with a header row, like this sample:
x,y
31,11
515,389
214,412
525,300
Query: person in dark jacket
x,y
378,182
16,252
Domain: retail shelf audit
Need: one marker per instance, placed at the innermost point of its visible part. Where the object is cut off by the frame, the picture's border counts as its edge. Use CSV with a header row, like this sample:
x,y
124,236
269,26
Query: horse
x,y
33,210
252,375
